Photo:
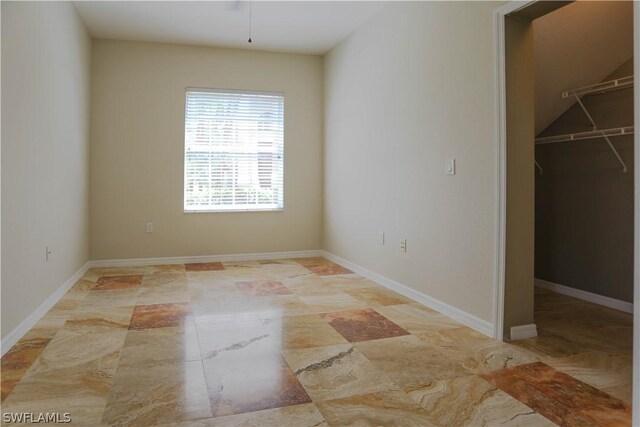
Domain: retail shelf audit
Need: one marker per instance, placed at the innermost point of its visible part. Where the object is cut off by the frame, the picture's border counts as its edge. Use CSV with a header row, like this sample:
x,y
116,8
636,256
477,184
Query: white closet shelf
x,y
608,86
627,130
598,88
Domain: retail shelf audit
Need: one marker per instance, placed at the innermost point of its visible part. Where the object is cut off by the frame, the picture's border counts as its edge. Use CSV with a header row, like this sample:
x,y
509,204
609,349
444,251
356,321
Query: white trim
x,y
28,323
463,317
616,304
133,262
522,332
501,223
514,6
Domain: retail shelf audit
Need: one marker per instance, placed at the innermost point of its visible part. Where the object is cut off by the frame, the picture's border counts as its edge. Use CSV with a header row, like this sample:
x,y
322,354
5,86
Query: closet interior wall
x,y
584,201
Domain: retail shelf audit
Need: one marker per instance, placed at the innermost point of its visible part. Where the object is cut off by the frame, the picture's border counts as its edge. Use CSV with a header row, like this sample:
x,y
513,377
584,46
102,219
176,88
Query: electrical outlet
x,y
149,227
381,238
48,253
403,245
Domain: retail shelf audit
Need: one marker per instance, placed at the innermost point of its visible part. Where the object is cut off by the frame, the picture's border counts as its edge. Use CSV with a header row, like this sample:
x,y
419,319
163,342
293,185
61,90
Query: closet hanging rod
x,y
628,130
611,85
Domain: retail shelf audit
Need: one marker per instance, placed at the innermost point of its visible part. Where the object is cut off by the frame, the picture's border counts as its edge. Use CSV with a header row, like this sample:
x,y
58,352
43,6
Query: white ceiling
x,y
578,45
312,27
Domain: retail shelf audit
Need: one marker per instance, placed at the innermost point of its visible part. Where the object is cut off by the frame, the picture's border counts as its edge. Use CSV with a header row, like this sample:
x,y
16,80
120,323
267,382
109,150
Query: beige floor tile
x,y
410,362
303,332
608,372
83,385
472,401
378,296
155,346
480,353
335,371
417,318
375,409
246,380
157,394
115,298
100,319
297,415
327,303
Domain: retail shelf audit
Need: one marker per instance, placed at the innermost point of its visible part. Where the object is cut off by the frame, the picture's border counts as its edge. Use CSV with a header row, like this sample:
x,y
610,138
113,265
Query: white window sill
x,y
233,210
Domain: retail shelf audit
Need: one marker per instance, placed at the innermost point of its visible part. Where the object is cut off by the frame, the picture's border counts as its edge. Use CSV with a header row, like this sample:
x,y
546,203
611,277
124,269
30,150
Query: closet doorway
x,y
568,227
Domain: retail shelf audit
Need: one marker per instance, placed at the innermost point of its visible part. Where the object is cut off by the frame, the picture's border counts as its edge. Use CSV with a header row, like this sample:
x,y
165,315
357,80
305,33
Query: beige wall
x,y
412,87
137,146
46,54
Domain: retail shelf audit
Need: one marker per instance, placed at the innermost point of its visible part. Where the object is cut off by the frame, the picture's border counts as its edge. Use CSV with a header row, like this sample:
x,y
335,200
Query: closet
x,y
584,177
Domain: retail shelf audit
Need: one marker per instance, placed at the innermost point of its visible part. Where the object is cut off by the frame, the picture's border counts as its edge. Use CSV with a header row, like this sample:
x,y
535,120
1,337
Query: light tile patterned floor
x,y
304,343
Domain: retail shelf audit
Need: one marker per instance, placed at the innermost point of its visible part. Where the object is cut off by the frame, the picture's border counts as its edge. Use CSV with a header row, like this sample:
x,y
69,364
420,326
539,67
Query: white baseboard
x,y
133,262
28,323
463,317
616,304
523,332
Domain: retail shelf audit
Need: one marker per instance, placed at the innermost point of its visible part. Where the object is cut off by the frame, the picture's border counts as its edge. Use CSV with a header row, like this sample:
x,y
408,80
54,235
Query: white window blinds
x,y
234,150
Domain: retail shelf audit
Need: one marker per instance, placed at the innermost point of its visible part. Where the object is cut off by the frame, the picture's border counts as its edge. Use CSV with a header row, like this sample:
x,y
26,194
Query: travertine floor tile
x,y
476,403
219,334
160,316
410,362
560,397
204,266
263,288
375,409
147,347
115,298
608,372
479,353
378,297
363,325
303,332
160,393
335,371
17,361
417,318
328,303
106,283
305,414
239,382
79,389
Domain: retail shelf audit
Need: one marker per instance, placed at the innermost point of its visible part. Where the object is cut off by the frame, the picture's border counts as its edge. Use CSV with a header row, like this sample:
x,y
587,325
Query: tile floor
x,y
306,343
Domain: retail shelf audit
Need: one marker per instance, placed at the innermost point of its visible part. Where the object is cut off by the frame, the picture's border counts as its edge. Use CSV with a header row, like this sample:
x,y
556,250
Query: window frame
x,y
184,150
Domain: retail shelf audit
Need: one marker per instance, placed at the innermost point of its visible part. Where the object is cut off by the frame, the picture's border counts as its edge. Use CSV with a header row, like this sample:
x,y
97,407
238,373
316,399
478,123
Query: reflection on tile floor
x,y
306,342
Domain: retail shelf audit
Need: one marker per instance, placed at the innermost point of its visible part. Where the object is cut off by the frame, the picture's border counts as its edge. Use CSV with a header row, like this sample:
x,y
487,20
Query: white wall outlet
x,y
381,238
149,227
403,245
451,166
48,252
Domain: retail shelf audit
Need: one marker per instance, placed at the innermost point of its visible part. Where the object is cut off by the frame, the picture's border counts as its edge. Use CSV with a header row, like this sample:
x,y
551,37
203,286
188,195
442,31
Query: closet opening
x,y
568,226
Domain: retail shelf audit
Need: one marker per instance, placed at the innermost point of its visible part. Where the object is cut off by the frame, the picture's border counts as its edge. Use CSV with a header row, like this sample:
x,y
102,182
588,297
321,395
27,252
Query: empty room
x,y
320,213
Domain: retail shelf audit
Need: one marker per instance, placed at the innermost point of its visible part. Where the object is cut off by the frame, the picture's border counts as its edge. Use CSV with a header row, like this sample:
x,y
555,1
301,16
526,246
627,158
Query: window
x,y
233,151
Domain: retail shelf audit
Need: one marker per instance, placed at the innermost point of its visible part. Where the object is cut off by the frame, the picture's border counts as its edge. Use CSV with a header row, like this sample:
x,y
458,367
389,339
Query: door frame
x,y
501,179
